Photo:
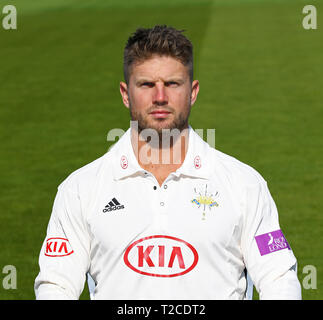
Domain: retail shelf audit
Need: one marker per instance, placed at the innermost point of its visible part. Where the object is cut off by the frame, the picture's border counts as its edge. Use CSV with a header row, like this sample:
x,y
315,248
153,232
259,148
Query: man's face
x,y
159,94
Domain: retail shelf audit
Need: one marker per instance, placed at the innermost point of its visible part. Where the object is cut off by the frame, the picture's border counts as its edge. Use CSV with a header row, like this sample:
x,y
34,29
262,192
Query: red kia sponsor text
x,y
161,256
58,247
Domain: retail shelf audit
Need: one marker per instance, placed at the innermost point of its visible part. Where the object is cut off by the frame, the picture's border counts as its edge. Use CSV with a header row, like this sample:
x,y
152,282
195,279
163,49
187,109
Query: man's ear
x,y
195,91
124,93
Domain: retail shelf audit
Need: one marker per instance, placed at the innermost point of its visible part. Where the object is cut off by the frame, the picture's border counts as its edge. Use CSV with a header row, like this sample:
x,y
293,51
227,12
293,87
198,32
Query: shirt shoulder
x,y
85,176
236,171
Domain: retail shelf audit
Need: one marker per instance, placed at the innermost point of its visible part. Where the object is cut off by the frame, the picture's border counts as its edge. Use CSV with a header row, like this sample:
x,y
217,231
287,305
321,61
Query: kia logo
x,y
58,247
161,256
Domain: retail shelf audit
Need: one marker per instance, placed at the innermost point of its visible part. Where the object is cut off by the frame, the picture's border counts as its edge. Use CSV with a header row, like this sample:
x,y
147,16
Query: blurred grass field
x,y
261,89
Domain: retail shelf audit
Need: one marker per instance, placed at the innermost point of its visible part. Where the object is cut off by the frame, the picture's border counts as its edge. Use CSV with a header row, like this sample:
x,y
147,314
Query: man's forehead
x,y
160,67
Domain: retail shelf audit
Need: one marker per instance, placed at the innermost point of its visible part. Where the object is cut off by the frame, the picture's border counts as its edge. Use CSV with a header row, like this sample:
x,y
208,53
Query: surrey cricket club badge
x,y
204,199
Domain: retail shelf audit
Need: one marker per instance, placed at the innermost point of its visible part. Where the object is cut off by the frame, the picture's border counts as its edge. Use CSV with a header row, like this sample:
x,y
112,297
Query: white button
x,y
162,204
165,186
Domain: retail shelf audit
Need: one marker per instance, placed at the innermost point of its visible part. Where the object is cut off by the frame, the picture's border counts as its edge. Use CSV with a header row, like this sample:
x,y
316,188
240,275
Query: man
x,y
162,215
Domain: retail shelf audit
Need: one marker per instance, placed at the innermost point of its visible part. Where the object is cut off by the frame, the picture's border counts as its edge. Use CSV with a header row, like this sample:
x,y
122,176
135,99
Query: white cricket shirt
x,y
191,238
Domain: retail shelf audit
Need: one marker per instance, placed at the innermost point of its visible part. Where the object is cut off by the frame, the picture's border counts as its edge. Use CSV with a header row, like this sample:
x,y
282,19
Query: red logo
x,y
124,162
161,256
197,162
58,247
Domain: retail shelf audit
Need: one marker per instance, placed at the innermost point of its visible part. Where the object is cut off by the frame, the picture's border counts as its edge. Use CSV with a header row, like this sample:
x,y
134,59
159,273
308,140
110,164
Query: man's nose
x,y
160,94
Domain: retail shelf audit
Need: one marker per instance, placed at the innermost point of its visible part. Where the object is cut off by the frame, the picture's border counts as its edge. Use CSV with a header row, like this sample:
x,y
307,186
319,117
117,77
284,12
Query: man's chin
x,y
165,125
164,128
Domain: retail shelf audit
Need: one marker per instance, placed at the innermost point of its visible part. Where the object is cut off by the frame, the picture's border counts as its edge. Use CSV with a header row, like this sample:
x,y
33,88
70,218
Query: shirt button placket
x,y
153,197
163,204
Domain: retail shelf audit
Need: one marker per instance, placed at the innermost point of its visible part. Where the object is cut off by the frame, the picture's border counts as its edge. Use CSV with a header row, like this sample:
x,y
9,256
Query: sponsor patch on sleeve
x,y
271,242
58,247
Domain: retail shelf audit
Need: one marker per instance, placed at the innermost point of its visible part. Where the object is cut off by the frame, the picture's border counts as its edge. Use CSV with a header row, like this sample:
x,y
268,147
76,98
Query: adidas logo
x,y
114,204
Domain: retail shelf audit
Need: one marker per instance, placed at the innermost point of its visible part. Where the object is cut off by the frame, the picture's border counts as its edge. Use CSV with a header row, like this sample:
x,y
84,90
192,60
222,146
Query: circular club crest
x,y
124,162
197,162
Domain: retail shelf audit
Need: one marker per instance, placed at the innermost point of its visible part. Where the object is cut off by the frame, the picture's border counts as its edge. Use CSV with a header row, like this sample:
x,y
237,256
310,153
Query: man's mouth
x,y
159,113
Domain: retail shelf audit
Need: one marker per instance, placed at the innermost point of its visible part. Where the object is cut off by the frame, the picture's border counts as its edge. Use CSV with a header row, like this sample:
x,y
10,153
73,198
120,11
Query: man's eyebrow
x,y
140,80
170,79
179,80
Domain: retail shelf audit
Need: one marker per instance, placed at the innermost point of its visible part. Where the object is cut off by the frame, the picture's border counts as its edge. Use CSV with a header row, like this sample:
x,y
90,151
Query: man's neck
x,y
160,154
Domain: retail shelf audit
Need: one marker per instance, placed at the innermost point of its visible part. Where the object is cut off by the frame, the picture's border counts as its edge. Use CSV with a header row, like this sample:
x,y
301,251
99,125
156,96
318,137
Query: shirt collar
x,y
196,162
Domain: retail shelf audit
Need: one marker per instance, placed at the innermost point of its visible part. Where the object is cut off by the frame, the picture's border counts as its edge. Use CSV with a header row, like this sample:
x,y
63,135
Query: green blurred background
x,y
261,83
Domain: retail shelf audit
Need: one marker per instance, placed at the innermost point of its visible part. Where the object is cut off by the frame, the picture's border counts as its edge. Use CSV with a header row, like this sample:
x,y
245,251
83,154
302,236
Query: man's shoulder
x,y
87,174
227,166
237,170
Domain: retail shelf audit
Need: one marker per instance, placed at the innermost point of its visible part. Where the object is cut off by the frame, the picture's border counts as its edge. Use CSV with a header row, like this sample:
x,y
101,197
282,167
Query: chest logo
x,y
204,200
161,256
113,205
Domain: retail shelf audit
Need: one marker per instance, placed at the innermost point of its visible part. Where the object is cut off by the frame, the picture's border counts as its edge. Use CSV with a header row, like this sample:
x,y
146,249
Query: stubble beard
x,y
162,137
180,121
